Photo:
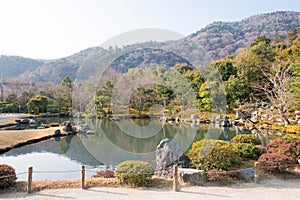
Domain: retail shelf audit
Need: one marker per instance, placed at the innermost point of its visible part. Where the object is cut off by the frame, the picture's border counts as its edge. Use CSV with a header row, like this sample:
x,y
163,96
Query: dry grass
x,y
21,186
14,137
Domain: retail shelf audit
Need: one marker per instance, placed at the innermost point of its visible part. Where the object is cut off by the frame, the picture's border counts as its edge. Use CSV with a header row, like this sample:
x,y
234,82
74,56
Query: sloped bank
x,y
17,138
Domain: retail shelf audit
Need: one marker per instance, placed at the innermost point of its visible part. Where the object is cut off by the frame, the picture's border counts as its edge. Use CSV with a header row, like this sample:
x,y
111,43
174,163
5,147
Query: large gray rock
x,y
168,154
193,176
247,173
57,132
68,127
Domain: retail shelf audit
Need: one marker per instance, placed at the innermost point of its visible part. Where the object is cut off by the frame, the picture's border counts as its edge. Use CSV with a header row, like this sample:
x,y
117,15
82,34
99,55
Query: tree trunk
x,y
285,120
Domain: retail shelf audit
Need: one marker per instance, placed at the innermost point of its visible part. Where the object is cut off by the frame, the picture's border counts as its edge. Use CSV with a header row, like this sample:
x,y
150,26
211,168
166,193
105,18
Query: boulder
x,y
193,176
237,114
90,132
247,173
226,122
57,132
194,116
25,121
168,154
68,127
85,127
32,122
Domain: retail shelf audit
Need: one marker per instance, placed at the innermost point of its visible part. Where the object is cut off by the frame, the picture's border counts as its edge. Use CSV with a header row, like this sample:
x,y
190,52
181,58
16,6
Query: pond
x,y
110,143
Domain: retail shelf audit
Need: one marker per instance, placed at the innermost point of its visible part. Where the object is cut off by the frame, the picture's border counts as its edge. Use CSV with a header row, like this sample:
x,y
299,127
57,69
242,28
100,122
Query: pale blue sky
x,y
57,28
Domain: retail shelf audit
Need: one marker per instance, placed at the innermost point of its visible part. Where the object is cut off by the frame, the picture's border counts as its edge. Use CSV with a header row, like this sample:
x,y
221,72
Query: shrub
x,y
213,154
107,173
247,150
134,172
261,150
245,138
7,176
290,137
275,163
222,176
290,148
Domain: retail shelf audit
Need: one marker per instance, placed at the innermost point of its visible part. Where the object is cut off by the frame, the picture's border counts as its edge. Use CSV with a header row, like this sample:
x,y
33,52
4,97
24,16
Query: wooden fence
x,y
176,175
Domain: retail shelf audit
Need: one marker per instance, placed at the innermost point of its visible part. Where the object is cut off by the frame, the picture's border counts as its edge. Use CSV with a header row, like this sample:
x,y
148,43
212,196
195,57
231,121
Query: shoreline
x,y
11,139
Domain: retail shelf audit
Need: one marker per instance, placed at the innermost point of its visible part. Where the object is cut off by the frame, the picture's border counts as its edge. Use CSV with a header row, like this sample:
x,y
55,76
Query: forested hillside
x,y
216,40
11,66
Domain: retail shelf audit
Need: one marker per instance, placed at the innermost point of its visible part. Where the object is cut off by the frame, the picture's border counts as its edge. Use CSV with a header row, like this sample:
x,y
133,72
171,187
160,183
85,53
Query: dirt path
x,y
275,190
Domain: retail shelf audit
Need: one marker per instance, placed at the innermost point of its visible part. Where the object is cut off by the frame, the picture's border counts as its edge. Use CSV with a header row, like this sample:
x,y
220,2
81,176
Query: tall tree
x,y
278,74
63,95
104,98
142,99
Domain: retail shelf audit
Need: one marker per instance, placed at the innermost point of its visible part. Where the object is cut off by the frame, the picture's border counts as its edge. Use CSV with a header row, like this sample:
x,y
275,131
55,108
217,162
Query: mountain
x,y
12,66
146,57
221,39
216,40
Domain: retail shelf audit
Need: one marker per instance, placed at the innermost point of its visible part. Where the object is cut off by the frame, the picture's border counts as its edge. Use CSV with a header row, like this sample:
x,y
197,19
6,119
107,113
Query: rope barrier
x,y
90,170
7,176
21,173
62,171
151,172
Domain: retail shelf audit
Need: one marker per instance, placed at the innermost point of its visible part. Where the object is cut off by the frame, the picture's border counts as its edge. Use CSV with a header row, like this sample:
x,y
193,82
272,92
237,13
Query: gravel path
x,y
274,190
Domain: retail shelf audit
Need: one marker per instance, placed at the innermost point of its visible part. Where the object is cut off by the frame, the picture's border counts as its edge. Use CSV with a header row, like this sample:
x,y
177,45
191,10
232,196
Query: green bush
x,y
213,154
275,164
290,137
7,176
245,138
290,148
134,172
247,150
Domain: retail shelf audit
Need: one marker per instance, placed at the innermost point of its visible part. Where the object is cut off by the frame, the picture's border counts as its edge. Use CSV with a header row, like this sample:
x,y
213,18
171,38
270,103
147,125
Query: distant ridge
x,y
218,39
221,39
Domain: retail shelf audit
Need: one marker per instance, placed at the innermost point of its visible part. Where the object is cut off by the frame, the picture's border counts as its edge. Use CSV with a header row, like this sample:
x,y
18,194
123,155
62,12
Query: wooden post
x,y
29,182
256,173
83,177
175,178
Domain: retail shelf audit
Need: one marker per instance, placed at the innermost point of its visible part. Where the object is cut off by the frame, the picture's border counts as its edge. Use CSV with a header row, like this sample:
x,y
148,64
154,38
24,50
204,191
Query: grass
x,y
13,137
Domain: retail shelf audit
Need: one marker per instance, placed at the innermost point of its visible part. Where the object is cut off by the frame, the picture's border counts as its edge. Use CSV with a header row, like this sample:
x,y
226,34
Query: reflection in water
x,y
112,143
57,154
115,142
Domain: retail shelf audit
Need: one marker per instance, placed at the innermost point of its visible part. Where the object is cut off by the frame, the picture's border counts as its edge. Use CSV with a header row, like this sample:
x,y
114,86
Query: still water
x,y
111,143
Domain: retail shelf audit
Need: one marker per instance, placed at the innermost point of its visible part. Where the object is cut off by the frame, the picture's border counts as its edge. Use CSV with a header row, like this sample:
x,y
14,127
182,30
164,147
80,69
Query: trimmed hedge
x,y
275,164
134,172
290,137
8,175
247,150
246,138
213,154
290,148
